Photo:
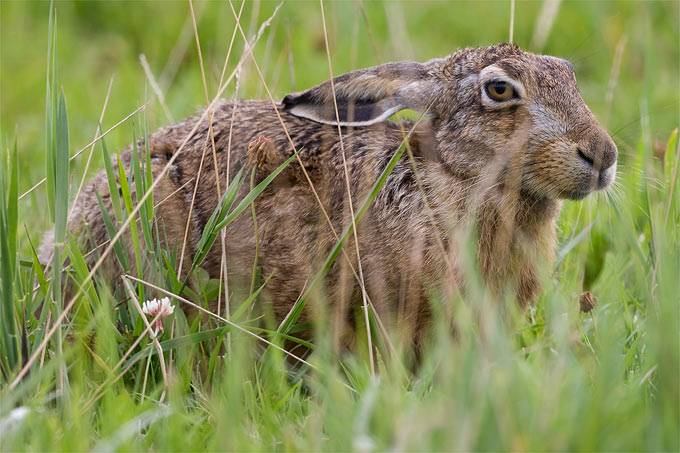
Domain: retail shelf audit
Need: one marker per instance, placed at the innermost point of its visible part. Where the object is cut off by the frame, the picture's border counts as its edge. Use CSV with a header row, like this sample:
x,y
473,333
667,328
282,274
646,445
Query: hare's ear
x,y
367,96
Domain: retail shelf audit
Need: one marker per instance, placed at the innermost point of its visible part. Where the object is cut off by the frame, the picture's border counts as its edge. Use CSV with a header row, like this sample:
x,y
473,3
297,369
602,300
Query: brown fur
x,y
499,168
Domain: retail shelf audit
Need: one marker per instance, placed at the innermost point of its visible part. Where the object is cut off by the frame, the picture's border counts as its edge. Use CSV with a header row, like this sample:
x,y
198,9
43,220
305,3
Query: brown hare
x,y
503,136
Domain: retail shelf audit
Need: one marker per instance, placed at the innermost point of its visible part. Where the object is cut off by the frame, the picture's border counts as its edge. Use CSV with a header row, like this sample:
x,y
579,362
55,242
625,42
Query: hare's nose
x,y
599,152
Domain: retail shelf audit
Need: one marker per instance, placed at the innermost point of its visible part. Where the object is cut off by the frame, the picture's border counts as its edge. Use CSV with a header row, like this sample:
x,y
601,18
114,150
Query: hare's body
x,y
498,165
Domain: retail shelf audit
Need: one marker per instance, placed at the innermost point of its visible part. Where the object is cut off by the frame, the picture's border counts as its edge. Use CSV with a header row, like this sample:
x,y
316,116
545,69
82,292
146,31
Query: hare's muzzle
x,y
597,153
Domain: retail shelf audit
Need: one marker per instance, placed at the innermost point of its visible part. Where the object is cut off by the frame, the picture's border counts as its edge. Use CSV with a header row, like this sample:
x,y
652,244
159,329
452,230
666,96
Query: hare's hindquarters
x,y
88,230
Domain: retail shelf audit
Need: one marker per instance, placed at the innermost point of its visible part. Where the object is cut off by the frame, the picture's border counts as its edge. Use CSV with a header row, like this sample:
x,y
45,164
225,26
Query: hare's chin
x,y
576,195
581,193
577,191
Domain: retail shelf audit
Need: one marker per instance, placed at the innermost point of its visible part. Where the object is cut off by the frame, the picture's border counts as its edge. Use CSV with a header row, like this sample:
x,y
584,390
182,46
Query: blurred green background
x,y
98,41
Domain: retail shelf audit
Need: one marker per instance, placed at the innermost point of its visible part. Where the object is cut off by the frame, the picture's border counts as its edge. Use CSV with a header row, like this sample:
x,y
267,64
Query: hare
x,y
502,137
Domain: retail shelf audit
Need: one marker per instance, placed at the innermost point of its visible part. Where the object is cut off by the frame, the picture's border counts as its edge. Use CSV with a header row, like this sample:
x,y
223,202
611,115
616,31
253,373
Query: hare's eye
x,y
500,91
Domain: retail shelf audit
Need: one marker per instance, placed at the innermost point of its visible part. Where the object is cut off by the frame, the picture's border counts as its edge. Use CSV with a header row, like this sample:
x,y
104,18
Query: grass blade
x,y
114,195
253,194
111,231
8,212
212,226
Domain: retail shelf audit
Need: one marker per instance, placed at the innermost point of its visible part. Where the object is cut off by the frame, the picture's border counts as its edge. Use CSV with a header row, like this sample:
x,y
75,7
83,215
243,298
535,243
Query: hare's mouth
x,y
596,181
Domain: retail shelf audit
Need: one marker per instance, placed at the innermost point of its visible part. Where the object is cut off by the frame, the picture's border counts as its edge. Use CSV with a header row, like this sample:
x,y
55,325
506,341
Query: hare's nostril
x,y
584,156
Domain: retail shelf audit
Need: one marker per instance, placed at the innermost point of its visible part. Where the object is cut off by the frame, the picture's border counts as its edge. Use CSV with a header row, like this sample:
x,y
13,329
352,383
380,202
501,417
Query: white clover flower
x,y
158,307
14,419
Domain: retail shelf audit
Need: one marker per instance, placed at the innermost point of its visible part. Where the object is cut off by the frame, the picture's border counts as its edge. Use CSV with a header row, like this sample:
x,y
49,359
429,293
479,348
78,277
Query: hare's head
x,y
489,108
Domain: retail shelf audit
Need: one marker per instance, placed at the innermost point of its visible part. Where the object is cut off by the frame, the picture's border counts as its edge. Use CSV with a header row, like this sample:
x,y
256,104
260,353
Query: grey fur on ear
x,y
366,96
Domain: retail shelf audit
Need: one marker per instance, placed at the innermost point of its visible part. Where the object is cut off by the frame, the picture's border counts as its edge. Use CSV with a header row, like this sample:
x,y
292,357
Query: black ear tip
x,y
288,100
301,97
304,97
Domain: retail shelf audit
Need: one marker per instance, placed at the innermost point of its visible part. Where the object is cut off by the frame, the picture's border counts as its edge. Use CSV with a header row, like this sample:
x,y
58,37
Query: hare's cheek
x,y
548,171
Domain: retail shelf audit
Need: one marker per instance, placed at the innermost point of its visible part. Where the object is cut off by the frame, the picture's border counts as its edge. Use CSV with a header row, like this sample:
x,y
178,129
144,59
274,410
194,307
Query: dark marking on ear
x,y
362,111
357,110
366,96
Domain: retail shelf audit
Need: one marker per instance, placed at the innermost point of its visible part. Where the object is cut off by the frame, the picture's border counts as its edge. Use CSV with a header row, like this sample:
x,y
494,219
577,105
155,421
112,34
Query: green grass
x,y
548,379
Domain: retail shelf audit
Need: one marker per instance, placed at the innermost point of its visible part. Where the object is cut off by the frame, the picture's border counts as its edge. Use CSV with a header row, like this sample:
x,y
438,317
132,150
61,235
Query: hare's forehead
x,y
529,69
537,64
553,69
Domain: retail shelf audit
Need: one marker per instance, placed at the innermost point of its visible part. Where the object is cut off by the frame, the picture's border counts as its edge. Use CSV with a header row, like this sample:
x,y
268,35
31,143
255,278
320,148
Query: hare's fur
x,y
498,168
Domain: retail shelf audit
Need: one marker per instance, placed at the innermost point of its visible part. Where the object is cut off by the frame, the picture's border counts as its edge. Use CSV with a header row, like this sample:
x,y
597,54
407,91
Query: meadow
x,y
81,81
